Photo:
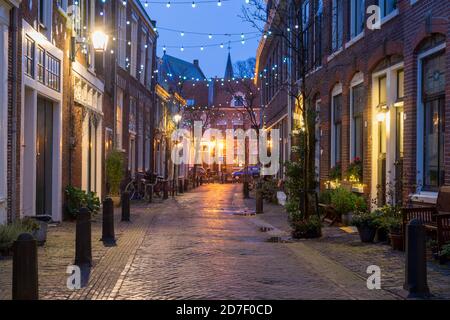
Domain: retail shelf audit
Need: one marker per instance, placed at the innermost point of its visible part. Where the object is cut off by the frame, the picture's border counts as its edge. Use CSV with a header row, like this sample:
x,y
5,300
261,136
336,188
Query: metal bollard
x,y
186,185
259,201
108,235
83,245
201,180
416,261
166,190
246,190
180,186
150,195
25,268
125,206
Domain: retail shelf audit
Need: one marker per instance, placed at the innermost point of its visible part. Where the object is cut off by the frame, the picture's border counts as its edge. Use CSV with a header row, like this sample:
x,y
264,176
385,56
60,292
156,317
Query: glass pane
x,y
400,84
337,108
337,143
433,144
400,128
358,152
382,91
434,75
358,99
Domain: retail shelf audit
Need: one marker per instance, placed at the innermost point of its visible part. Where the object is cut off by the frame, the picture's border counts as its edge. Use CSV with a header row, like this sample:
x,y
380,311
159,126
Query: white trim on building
x,y
31,90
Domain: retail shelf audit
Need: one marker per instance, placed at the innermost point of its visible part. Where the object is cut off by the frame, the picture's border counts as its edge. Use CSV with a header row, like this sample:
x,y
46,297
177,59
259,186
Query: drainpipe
x,y
15,51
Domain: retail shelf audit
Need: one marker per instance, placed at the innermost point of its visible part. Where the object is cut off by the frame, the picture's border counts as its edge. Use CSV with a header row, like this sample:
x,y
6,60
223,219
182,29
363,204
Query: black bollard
x,y
126,206
246,190
166,190
180,186
108,235
259,201
83,246
186,185
25,268
150,194
416,261
201,180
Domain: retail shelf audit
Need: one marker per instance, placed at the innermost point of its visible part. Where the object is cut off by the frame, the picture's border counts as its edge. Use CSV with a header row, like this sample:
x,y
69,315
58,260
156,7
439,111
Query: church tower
x,y
229,73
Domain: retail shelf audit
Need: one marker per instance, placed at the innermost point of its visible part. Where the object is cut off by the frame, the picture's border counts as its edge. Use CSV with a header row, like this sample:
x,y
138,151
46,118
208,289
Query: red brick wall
x,y
399,36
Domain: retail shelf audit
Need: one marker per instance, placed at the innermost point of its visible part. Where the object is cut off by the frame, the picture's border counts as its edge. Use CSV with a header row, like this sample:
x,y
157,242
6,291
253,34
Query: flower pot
x,y
382,235
116,201
397,242
367,234
347,218
41,234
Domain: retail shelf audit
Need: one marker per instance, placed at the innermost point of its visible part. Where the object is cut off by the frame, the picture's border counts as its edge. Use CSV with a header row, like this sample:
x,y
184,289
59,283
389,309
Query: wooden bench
x,y
435,219
443,233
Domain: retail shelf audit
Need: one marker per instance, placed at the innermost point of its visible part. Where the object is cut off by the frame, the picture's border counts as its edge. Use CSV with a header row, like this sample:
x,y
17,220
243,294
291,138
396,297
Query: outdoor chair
x,y
434,218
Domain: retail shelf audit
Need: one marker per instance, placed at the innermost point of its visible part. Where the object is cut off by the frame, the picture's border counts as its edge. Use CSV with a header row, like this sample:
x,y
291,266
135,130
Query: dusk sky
x,y
205,18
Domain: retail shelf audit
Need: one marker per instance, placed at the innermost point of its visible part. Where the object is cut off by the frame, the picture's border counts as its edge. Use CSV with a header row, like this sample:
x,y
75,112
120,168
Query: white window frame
x,y
353,18
149,62
356,81
133,45
337,90
122,35
4,34
119,120
424,196
390,122
48,13
143,64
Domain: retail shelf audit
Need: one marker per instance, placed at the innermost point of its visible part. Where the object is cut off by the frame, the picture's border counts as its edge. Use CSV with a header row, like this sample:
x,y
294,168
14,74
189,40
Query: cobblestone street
x,y
205,244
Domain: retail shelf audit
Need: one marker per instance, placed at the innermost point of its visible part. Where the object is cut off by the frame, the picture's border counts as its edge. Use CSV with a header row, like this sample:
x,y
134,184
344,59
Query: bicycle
x,y
139,187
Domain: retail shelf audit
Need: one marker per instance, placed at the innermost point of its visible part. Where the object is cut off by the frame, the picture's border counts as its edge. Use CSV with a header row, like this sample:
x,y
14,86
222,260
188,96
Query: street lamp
x,y
99,41
177,118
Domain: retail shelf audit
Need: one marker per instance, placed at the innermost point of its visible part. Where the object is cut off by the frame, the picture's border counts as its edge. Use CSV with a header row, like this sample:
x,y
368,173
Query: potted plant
x,y
346,204
367,224
77,199
445,253
38,226
394,225
114,175
9,233
355,170
306,229
336,172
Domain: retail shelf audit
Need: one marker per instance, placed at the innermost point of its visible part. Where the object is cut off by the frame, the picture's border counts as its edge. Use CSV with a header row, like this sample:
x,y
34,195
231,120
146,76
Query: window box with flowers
x,y
335,176
354,175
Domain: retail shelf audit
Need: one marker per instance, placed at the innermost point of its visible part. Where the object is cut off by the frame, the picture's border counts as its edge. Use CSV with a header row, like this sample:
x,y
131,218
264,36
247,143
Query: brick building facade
x,y
60,99
381,93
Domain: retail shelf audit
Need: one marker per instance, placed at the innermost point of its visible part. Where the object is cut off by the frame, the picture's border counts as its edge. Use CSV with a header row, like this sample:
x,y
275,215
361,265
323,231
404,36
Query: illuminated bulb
x,y
193,4
168,4
219,3
210,36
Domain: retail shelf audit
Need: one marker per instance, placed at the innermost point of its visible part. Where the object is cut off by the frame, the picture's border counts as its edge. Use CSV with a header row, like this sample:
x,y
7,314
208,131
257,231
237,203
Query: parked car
x,y
253,171
200,172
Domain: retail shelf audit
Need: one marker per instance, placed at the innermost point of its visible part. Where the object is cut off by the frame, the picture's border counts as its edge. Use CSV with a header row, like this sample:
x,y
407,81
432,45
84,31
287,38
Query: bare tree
x,y
296,25
245,68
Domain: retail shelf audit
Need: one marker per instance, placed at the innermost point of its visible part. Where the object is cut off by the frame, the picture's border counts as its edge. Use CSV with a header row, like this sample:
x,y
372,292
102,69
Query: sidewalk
x,y
108,262
349,252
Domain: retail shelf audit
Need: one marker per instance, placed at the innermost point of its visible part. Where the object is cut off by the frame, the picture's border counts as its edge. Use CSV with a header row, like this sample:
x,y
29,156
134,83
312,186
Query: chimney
x,y
196,63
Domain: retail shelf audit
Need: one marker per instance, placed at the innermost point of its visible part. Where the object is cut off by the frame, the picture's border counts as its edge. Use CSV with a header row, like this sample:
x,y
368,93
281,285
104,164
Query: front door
x,y
44,155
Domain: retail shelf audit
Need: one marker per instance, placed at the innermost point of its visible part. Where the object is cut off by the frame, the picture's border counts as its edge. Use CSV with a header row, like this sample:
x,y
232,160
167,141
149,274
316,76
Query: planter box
x,y
367,235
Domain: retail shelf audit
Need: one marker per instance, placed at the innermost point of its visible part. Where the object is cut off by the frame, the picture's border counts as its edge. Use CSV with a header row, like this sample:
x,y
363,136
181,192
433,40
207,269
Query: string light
x,y
192,3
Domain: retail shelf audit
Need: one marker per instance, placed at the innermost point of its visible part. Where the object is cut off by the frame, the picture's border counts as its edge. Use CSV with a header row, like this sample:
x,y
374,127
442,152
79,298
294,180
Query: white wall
x,y
4,22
